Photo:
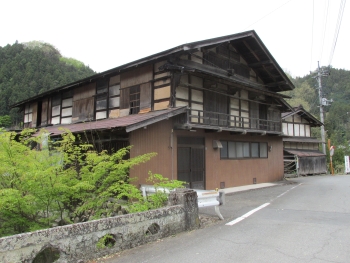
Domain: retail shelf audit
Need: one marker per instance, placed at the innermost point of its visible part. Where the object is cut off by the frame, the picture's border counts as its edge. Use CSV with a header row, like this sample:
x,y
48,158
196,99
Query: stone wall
x,y
81,242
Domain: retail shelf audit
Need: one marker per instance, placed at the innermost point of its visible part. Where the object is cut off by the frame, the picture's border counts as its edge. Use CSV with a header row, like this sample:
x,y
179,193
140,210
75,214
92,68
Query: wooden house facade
x,y
210,109
300,150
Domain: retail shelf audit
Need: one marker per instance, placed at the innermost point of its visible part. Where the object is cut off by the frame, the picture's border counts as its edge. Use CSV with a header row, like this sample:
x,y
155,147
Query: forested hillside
x,y
336,86
27,69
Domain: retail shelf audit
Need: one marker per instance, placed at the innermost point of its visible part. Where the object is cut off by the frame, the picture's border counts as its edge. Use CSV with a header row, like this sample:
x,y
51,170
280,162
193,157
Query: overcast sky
x,y
106,34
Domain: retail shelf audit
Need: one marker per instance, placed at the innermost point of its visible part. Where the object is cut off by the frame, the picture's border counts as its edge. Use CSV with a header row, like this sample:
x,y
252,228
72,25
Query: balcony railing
x,y
231,121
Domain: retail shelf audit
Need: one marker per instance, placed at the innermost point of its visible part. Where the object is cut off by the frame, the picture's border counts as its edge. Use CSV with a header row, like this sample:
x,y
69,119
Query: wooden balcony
x,y
221,121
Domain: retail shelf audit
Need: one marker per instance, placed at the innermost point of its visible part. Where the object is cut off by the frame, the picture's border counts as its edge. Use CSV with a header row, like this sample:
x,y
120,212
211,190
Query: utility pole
x,y
321,73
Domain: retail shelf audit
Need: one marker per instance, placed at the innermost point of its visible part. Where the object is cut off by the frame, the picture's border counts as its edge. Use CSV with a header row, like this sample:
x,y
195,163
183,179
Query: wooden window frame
x,y
53,105
134,99
62,97
225,153
28,113
101,94
110,96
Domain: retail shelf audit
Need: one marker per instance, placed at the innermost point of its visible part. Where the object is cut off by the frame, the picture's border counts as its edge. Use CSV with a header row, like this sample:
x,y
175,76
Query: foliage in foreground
x,y
64,182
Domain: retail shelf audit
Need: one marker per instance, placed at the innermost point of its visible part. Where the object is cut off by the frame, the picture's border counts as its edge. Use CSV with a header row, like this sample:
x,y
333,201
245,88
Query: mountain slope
x,y
27,69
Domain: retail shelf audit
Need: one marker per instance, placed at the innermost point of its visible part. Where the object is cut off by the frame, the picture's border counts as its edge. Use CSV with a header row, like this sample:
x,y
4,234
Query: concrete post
x,y
187,198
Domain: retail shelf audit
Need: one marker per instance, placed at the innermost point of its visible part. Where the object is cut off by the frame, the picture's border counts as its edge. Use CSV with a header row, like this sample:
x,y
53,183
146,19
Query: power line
x,y
337,28
312,31
324,29
267,14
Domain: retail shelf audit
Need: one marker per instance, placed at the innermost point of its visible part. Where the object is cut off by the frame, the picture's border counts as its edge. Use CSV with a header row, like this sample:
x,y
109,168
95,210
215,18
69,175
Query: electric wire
x,y
267,14
324,29
337,28
312,32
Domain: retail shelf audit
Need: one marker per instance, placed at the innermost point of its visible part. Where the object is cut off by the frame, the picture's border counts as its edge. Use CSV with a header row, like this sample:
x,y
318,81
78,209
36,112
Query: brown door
x,y
191,166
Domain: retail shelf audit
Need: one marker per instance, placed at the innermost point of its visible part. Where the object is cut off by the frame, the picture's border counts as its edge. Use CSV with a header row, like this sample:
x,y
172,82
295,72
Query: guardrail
x,y
205,197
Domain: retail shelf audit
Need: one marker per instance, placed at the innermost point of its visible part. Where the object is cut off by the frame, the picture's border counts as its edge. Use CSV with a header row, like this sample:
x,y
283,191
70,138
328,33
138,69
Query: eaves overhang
x,y
304,153
191,66
250,35
128,123
232,130
303,114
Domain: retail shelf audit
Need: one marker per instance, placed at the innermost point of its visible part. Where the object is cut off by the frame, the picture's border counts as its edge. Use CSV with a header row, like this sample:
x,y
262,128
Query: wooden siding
x,y
162,93
225,57
114,80
312,165
161,105
136,76
197,57
296,126
162,88
34,114
145,97
124,98
84,103
44,112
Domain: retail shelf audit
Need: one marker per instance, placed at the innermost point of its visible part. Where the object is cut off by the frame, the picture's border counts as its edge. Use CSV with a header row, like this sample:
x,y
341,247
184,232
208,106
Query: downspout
x,y
172,153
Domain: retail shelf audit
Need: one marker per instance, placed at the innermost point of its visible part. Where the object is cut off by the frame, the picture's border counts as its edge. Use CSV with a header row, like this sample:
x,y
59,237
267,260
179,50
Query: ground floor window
x,y
240,150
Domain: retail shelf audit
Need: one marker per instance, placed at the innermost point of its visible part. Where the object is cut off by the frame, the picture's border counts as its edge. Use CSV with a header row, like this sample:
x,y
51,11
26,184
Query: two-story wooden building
x,y
210,109
301,151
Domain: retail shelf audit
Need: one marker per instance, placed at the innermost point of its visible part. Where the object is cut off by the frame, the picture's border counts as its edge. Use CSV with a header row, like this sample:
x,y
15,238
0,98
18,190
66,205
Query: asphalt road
x,y
305,220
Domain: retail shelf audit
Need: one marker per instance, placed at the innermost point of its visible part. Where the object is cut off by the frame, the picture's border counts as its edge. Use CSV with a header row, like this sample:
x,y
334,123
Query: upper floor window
x,y
107,98
101,99
134,99
28,113
56,110
62,108
67,108
114,97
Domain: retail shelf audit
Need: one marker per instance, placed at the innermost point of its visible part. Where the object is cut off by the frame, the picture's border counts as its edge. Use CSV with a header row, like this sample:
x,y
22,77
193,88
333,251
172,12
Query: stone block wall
x,y
79,242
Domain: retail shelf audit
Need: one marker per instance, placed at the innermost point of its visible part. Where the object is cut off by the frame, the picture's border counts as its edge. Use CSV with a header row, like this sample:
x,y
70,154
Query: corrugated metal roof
x,y
304,153
129,123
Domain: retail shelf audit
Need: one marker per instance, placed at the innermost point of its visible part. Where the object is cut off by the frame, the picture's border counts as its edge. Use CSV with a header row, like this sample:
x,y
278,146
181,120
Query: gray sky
x,y
106,34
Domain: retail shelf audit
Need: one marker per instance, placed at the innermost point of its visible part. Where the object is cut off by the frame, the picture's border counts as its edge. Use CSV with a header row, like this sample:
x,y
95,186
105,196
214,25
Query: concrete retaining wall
x,y
78,242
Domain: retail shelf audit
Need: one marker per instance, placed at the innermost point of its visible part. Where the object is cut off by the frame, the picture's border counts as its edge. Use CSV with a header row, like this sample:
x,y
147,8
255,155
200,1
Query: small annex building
x,y
211,110
301,151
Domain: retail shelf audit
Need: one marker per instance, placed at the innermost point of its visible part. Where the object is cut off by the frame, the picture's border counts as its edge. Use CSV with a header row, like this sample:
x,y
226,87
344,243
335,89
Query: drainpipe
x,y
172,153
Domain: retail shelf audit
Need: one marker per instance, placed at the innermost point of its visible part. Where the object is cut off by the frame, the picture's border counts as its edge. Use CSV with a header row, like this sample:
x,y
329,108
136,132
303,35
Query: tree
x,y
42,181
5,121
31,68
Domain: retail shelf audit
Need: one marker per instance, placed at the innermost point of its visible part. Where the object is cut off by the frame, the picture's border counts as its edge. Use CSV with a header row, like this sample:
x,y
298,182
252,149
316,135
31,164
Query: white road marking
x,y
246,215
239,219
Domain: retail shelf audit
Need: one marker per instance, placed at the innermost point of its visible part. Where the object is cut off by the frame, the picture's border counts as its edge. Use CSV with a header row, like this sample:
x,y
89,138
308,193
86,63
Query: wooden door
x,y
191,166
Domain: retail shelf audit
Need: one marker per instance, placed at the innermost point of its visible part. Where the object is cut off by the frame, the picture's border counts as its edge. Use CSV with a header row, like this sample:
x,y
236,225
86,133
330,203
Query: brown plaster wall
x,y
155,138
237,172
242,171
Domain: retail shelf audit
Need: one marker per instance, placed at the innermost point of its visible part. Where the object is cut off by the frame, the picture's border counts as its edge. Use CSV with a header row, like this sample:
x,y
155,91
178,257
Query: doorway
x,y
191,162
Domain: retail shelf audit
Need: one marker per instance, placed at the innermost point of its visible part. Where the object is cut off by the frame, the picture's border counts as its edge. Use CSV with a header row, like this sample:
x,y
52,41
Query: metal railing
x,y
231,121
205,197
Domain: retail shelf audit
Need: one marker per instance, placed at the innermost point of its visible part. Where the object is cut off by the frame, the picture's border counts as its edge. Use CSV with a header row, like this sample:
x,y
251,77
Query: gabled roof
x,y
248,44
127,123
303,114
